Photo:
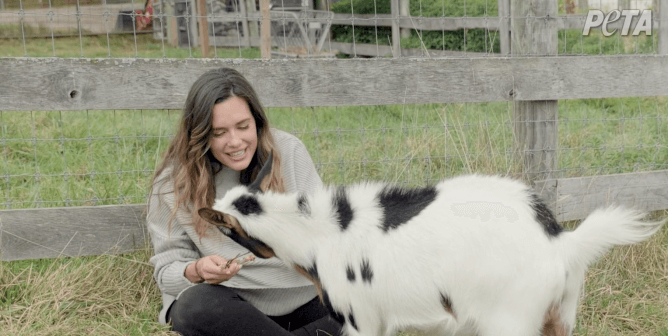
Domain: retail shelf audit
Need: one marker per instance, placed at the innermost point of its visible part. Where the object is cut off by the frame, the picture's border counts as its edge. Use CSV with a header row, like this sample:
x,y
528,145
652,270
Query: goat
x,y
471,255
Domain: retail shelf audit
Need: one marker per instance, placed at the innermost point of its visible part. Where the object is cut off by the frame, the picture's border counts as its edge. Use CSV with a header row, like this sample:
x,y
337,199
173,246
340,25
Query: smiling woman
x,y
234,136
223,140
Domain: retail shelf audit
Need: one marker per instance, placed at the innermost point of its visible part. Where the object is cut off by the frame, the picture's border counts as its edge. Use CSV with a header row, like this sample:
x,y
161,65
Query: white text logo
x,y
641,21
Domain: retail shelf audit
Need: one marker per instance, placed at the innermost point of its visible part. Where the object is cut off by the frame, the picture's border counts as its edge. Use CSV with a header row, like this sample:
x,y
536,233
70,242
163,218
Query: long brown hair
x,y
192,164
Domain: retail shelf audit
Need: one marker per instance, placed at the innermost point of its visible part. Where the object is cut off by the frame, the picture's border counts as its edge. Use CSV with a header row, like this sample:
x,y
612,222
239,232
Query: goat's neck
x,y
294,235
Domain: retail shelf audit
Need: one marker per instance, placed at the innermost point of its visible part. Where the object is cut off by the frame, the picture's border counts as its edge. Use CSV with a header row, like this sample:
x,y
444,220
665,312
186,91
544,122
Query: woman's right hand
x,y
211,269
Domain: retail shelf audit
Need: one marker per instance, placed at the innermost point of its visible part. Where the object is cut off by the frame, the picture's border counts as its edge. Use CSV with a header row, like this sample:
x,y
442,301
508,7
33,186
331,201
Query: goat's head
x,y
242,200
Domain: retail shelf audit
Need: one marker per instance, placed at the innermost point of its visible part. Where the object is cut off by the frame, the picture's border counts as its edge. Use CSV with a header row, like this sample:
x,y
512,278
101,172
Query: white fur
x,y
478,243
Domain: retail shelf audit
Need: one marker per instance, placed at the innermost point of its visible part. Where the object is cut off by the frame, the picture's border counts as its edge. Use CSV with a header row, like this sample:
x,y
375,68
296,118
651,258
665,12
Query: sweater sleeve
x,y
299,172
173,248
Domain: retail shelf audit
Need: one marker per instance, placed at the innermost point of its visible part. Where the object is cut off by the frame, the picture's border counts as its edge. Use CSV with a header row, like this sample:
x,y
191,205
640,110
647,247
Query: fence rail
x,y
81,84
533,78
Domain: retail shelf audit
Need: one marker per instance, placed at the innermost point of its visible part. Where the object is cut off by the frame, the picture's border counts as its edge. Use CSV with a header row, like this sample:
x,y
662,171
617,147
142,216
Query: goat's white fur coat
x,y
477,258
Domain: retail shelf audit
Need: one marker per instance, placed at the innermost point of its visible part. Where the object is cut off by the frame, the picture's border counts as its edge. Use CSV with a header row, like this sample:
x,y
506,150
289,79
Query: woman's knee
x,y
202,303
212,309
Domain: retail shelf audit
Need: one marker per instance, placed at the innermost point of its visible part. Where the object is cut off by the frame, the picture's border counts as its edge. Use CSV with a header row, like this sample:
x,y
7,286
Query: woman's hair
x,y
192,164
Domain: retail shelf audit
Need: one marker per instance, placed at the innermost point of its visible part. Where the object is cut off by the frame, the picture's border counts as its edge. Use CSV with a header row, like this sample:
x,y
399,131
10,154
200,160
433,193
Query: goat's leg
x,y
569,304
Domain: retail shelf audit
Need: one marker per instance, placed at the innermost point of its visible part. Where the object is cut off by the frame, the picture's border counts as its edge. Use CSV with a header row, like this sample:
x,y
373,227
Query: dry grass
x,y
626,291
626,294
102,295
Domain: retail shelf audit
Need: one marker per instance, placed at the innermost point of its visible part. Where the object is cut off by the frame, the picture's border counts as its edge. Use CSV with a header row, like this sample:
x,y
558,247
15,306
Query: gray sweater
x,y
268,284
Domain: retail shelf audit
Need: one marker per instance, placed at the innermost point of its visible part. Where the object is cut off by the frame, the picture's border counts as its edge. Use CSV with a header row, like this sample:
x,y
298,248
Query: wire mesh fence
x,y
54,158
90,157
348,28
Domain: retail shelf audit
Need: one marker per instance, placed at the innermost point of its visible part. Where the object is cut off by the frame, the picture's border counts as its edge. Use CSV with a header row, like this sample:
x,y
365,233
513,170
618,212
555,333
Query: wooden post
x,y
192,23
534,32
396,37
504,26
265,39
253,26
244,22
404,11
203,27
323,5
663,26
172,31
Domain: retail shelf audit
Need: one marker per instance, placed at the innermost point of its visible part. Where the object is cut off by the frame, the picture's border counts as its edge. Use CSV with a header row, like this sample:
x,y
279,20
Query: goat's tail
x,y
602,230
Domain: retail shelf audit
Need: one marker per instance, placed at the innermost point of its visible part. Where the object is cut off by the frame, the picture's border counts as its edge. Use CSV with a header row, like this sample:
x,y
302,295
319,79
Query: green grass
x,y
28,4
141,45
107,157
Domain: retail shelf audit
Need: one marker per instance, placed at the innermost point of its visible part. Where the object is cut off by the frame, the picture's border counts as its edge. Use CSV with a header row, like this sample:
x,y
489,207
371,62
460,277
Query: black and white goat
x,y
472,255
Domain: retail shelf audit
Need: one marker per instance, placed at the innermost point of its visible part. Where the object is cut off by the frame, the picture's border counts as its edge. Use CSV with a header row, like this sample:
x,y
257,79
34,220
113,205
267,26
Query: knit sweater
x,y
268,284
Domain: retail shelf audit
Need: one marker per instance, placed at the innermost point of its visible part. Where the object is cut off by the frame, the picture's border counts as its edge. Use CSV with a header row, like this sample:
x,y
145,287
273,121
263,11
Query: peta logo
x,y
642,22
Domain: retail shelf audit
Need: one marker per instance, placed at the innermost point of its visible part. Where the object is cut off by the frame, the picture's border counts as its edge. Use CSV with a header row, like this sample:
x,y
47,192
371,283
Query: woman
x,y
223,140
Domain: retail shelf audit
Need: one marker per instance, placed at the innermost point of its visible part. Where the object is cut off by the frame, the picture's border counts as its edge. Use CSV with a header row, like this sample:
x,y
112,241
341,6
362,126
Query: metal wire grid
x,y
83,19
70,158
96,157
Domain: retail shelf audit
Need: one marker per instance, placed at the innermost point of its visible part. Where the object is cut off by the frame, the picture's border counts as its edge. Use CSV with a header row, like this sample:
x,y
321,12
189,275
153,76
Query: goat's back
x,y
442,254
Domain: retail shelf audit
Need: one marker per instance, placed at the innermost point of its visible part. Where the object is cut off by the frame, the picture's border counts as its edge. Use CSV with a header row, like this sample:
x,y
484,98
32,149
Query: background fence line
x,y
532,78
398,21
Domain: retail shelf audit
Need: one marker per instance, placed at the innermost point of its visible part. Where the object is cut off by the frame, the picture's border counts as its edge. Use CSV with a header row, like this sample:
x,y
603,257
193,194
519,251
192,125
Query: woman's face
x,y
234,138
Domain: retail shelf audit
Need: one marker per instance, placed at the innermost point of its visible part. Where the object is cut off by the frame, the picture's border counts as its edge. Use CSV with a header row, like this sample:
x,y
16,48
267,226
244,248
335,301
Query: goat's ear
x,y
214,217
266,169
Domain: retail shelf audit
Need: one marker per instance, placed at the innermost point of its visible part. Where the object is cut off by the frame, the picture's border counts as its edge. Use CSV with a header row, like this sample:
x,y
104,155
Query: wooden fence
x,y
533,84
401,23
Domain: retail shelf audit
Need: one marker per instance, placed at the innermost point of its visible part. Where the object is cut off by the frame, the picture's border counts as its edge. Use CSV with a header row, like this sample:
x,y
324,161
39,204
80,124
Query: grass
x,y
107,157
101,295
141,45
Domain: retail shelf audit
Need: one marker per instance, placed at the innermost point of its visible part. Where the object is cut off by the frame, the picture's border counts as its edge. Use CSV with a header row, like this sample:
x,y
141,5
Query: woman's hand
x,y
211,269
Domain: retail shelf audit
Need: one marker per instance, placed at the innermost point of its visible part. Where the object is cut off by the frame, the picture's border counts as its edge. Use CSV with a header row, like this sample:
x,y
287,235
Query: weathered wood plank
x,y
578,197
385,20
414,22
75,231
359,49
381,50
78,231
504,26
571,21
396,34
663,26
80,84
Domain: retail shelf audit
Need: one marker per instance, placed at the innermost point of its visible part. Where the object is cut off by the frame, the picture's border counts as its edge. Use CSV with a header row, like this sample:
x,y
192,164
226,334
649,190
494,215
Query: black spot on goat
x,y
545,217
350,273
400,205
337,316
351,320
447,304
248,205
302,205
367,273
342,208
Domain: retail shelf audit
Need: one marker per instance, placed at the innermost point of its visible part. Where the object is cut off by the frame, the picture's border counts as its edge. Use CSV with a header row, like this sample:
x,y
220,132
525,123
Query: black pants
x,y
216,310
